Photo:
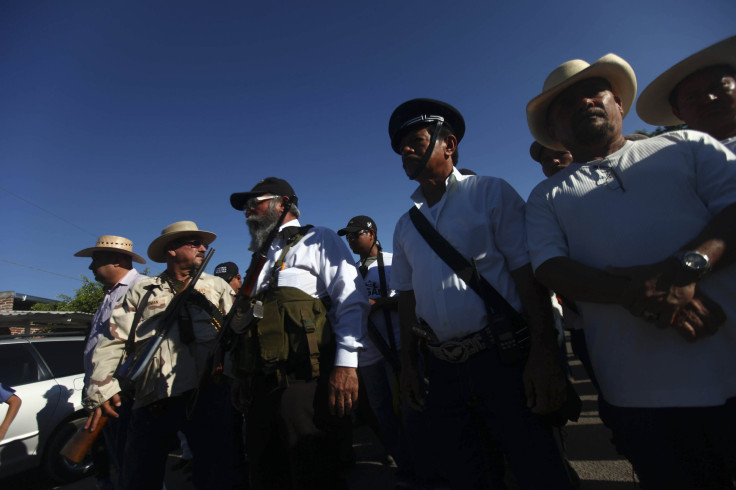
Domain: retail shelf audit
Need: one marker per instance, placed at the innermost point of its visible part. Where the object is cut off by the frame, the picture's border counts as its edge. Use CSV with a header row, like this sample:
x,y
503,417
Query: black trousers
x,y
293,441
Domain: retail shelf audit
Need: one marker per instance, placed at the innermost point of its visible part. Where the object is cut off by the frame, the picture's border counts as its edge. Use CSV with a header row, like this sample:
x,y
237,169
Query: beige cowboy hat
x,y
654,107
112,243
610,67
157,248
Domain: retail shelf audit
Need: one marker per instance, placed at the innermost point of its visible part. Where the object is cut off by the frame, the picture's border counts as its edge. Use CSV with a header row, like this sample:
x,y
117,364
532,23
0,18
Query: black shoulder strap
x,y
462,267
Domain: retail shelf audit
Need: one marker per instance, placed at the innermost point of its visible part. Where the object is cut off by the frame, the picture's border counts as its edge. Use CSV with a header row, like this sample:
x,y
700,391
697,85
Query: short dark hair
x,y
728,70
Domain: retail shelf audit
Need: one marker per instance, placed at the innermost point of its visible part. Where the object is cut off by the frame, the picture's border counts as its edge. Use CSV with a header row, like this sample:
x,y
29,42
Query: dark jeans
x,y
380,384
495,392
152,434
678,448
293,441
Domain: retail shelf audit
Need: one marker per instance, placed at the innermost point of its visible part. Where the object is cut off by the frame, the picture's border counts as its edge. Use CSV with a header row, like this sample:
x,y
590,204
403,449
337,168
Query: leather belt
x,y
459,350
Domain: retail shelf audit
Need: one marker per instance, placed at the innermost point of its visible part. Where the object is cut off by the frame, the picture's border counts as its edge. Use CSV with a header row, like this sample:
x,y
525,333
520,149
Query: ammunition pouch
x,y
293,337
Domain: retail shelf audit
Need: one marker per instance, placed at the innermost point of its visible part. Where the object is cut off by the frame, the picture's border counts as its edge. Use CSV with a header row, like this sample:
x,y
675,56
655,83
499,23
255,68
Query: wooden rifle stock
x,y
78,446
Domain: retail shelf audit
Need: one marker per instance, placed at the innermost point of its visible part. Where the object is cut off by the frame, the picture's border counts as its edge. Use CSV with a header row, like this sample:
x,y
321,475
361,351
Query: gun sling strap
x,y
495,303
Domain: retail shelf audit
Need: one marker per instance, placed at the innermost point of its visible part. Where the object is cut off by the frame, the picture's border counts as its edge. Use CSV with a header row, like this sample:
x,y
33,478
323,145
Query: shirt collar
x,y
294,222
450,182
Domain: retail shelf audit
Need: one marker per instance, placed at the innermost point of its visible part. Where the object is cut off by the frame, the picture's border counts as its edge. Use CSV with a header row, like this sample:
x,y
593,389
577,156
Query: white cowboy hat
x,y
112,243
610,67
157,248
654,107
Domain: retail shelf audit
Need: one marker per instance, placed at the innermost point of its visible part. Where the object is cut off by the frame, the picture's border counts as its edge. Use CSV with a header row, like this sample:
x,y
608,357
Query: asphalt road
x,y
587,442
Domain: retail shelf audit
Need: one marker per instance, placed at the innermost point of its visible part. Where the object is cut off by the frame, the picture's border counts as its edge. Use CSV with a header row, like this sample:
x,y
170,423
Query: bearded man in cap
x,y
468,362
699,91
168,397
301,388
112,266
640,233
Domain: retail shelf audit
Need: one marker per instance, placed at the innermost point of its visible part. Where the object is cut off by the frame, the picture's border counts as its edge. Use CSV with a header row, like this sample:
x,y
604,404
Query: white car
x,y
48,376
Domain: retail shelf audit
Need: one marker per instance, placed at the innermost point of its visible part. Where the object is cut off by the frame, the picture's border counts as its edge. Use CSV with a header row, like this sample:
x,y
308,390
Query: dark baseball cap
x,y
269,185
423,112
226,270
358,223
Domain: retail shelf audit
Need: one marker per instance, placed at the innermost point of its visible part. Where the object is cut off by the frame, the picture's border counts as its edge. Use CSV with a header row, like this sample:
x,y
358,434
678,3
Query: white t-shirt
x,y
483,218
664,191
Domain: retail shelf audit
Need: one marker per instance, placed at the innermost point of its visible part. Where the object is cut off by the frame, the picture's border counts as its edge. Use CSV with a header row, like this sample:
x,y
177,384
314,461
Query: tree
x,y
86,299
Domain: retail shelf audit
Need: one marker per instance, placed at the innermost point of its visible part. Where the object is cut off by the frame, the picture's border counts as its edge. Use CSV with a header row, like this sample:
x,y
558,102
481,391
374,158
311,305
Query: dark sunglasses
x,y
354,234
192,242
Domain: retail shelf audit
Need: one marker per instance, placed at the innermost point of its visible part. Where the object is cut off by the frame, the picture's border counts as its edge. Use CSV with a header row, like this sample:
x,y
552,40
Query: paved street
x,y
588,448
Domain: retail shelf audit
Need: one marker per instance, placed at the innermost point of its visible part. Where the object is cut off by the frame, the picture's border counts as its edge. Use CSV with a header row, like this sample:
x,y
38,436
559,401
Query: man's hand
x,y
343,390
106,408
544,381
663,294
700,318
412,390
646,295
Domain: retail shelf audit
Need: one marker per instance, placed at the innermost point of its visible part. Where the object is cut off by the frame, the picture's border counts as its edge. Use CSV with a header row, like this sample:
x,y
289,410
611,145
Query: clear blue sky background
x,y
122,117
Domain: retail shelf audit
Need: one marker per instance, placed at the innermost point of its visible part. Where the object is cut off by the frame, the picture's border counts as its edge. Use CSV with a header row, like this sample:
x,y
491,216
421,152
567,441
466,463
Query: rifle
x,y
134,367
225,339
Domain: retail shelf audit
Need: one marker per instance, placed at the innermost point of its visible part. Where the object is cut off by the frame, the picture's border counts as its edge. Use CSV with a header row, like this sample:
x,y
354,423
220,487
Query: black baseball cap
x,y
423,112
226,270
269,185
358,223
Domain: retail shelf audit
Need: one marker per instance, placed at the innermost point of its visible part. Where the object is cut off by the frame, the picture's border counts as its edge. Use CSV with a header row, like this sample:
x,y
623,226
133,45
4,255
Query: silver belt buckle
x,y
457,351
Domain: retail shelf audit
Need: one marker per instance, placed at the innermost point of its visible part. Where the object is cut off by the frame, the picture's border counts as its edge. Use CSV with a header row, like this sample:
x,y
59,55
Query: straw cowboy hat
x,y
610,67
157,248
654,107
112,243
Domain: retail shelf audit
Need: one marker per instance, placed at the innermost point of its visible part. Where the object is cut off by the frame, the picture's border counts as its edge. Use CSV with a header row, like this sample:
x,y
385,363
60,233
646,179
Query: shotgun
x,y
133,367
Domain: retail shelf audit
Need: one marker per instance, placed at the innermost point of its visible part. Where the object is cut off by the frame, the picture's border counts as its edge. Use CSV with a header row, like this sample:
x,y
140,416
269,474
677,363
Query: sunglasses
x,y
192,242
254,202
354,234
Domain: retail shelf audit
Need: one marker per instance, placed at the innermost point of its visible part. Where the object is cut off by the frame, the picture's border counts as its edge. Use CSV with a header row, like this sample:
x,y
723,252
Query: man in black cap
x,y
475,343
298,346
379,362
228,271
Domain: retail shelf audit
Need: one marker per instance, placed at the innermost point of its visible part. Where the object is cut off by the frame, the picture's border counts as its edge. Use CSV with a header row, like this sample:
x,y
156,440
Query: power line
x,y
38,269
47,211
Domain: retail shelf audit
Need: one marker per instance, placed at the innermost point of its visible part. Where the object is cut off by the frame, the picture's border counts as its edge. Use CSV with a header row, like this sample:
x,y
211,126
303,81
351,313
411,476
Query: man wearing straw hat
x,y
639,235
112,265
699,91
164,400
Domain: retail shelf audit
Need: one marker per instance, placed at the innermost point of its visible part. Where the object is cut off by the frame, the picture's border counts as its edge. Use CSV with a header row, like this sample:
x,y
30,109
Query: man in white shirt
x,y
699,91
483,219
299,353
640,233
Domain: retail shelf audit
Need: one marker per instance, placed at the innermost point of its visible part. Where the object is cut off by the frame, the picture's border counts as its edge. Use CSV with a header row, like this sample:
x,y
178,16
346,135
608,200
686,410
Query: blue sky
x,y
123,117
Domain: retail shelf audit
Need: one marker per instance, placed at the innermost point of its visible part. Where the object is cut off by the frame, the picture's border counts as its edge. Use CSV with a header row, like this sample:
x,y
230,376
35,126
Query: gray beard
x,y
261,226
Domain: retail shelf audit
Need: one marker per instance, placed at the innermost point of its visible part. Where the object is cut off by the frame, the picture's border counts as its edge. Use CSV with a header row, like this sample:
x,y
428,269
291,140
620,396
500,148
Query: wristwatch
x,y
695,263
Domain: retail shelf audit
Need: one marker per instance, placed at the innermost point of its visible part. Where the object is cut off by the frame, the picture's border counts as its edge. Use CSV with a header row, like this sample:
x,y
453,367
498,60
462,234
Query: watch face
x,y
695,261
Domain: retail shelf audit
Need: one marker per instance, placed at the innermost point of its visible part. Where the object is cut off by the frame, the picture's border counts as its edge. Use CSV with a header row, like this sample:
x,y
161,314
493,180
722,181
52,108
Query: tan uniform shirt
x,y
176,367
